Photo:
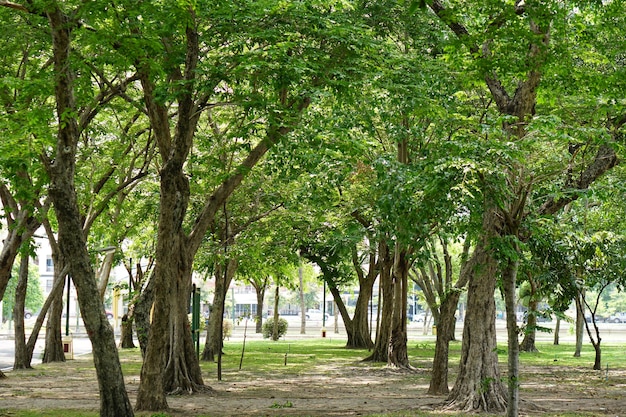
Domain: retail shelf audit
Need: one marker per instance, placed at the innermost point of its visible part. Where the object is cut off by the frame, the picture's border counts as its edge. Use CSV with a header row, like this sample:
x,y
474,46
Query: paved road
x,y
81,345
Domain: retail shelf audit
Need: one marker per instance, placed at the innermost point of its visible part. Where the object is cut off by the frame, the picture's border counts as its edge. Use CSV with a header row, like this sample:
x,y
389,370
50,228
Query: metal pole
x,y
324,309
67,307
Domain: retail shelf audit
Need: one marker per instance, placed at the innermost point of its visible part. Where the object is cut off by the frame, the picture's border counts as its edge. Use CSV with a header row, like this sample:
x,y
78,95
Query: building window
x,y
49,264
49,283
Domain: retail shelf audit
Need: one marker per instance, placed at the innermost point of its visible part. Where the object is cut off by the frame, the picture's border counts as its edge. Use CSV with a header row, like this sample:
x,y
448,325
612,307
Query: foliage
x,y
34,295
268,327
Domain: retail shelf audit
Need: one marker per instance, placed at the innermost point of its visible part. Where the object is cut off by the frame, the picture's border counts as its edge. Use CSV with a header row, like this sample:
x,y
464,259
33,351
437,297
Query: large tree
x,y
510,49
254,75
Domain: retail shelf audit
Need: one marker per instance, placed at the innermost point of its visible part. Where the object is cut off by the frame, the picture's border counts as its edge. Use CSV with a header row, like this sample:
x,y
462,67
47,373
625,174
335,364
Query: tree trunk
x,y
142,312
580,325
53,351
214,340
398,356
302,304
57,288
21,355
359,336
127,341
260,301
478,385
445,333
276,300
380,352
509,278
528,343
557,329
182,370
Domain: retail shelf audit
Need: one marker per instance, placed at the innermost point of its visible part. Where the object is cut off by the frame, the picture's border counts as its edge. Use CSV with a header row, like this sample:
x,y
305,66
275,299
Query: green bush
x,y
268,327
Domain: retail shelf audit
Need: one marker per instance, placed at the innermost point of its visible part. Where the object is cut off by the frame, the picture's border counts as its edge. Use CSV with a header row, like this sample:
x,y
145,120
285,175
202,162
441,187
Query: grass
x,y
265,358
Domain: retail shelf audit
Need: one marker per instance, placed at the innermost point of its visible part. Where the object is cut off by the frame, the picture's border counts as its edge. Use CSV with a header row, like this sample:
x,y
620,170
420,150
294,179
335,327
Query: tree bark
x,y
260,305
276,317
127,341
214,341
21,354
380,352
528,343
398,356
580,325
72,243
142,312
478,385
445,333
509,279
302,304
557,329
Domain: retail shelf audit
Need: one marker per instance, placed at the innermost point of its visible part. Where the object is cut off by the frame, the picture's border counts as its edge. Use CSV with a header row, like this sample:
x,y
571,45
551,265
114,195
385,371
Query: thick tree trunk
x,y
170,363
380,352
445,333
182,370
53,351
359,336
478,386
398,356
127,341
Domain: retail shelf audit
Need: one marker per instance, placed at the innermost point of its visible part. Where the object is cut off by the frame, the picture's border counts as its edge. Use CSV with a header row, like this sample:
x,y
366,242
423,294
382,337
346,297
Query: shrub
x,y
227,329
268,327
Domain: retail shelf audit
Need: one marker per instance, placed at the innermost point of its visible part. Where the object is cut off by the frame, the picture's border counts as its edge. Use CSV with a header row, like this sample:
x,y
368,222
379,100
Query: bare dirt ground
x,y
354,389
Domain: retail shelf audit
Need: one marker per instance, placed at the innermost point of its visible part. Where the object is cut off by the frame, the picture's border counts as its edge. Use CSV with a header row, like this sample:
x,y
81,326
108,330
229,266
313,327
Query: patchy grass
x,y
287,378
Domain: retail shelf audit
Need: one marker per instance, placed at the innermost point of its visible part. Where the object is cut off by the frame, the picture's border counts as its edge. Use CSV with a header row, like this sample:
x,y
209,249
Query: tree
x,y
442,294
514,88
252,74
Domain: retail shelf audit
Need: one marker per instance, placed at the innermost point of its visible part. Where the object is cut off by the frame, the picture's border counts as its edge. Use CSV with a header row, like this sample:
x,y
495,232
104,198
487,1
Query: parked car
x,y
315,314
28,314
617,318
418,317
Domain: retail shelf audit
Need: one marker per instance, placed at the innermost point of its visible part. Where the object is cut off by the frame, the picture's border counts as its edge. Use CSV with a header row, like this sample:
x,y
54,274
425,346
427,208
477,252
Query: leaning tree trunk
x,y
398,354
21,355
445,333
478,385
359,336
